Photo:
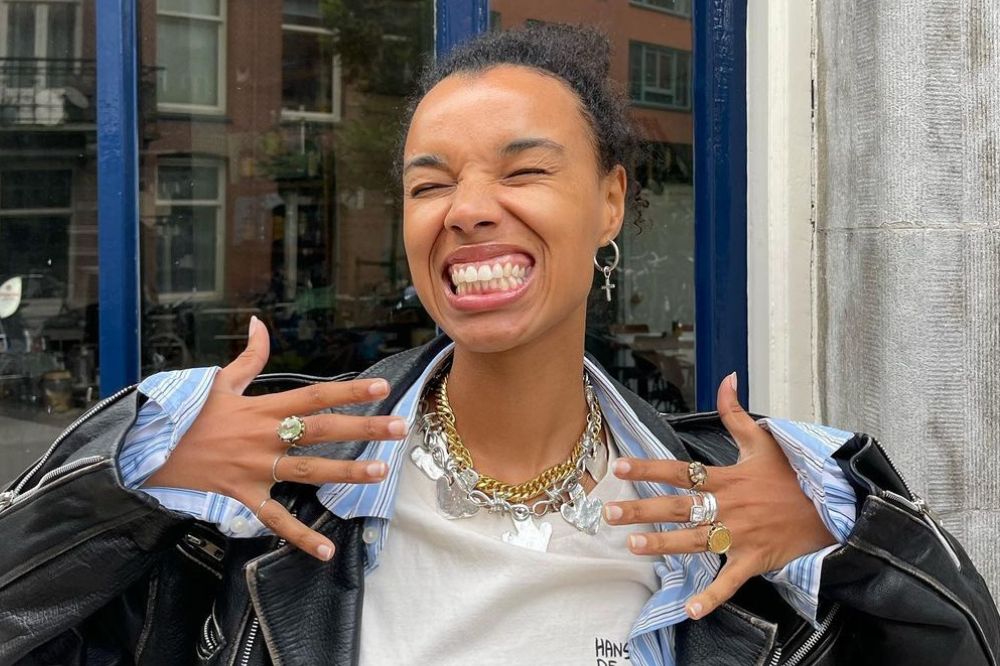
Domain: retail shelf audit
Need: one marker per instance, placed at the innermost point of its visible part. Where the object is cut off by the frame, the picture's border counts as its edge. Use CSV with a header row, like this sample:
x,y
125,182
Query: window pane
x,y
35,189
304,228
21,30
645,336
187,58
186,182
201,7
185,249
306,72
48,226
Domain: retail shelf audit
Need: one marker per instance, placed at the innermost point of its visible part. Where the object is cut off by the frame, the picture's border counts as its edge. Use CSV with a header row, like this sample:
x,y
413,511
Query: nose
x,y
473,209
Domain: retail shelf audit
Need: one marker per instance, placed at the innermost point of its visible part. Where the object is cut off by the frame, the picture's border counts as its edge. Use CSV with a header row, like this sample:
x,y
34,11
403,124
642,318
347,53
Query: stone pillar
x,y
908,246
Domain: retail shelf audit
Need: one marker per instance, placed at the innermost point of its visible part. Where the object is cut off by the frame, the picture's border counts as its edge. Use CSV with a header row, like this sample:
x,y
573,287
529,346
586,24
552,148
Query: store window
x,y
645,336
660,75
282,204
191,55
48,224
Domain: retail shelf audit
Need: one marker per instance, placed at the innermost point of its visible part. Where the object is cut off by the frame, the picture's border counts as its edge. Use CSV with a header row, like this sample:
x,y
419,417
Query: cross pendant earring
x,y
608,284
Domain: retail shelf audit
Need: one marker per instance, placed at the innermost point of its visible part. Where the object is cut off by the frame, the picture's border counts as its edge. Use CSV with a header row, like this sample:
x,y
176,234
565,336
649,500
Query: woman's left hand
x,y
771,520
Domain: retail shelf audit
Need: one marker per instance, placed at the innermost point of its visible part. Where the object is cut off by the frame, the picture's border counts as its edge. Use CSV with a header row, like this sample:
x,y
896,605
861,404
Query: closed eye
x,y
420,189
524,172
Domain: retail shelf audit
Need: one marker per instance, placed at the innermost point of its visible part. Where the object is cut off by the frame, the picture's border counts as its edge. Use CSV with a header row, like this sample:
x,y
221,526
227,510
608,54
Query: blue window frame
x,y
719,94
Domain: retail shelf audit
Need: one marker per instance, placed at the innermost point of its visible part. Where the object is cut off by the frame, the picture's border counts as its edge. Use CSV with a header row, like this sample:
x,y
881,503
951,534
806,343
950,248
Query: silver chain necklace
x,y
457,496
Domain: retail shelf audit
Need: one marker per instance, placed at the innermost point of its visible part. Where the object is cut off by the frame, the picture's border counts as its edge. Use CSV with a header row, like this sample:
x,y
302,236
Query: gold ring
x,y
259,507
697,474
274,467
720,539
291,429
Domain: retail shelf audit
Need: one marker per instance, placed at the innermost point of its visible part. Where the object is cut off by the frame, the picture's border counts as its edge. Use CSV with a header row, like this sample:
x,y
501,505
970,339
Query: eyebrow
x,y
520,145
513,148
428,160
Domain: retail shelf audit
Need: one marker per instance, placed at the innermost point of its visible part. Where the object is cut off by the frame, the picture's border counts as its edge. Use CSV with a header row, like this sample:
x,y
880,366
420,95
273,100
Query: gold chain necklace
x,y
521,492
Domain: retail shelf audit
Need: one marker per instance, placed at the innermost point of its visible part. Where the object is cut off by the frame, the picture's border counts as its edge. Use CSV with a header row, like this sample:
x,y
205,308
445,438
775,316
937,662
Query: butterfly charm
x,y
582,512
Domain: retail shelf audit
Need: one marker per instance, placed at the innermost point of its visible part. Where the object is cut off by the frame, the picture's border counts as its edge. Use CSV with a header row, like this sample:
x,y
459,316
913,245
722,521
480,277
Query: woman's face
x,y
505,207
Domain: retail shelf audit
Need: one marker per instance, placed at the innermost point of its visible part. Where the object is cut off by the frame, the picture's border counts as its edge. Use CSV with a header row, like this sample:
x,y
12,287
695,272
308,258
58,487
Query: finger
x,y
739,424
730,579
285,525
671,472
653,510
236,376
342,428
317,397
318,471
674,542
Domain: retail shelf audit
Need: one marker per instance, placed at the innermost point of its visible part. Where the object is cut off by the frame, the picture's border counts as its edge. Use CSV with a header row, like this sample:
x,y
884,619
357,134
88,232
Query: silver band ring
x,y
274,467
291,429
704,509
259,507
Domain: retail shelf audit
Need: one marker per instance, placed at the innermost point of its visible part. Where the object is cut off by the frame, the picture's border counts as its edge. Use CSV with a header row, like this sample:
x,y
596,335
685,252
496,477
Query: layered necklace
x,y
462,491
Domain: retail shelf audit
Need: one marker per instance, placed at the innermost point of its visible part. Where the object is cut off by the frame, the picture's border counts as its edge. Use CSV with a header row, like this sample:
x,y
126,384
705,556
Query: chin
x,y
487,338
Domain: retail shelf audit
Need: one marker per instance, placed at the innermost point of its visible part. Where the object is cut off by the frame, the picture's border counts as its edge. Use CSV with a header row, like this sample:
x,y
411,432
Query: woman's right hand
x,y
232,445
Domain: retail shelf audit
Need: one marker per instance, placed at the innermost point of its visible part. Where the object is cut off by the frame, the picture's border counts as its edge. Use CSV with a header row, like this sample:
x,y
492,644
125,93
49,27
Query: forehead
x,y
491,108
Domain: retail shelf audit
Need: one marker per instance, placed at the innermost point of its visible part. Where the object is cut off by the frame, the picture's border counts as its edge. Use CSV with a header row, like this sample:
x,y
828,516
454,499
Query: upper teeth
x,y
486,272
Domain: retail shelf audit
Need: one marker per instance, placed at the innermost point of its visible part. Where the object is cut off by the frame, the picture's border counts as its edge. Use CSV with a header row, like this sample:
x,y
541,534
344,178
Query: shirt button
x,y
370,535
239,525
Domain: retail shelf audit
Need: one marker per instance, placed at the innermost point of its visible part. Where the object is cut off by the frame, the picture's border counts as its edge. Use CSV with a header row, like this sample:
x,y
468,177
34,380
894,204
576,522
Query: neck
x,y
522,411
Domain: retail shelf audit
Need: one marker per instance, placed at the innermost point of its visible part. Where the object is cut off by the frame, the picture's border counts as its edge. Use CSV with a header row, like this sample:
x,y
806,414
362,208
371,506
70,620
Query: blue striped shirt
x,y
176,397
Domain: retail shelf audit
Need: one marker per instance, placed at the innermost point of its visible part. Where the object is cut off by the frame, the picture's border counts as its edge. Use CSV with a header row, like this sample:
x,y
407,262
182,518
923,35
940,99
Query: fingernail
x,y
732,381
253,323
694,610
637,541
622,467
612,512
376,469
397,428
378,387
325,552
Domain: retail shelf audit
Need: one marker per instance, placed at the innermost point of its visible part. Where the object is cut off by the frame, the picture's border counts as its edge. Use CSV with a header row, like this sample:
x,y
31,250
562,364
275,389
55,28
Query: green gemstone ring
x,y
291,430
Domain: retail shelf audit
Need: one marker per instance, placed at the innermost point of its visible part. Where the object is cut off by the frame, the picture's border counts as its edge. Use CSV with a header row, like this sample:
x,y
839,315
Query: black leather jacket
x,y
94,573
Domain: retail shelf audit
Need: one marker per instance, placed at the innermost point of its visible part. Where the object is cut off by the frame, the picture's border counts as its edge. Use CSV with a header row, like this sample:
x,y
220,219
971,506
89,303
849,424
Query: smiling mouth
x,y
497,275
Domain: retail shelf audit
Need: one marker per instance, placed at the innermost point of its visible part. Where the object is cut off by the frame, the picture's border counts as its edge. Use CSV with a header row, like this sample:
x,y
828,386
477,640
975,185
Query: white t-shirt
x,y
452,592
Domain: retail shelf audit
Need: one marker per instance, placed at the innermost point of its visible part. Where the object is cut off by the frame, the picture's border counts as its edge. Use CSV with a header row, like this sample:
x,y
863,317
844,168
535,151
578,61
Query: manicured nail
x,y
637,541
397,428
253,323
378,387
376,469
622,467
694,610
325,552
612,512
732,381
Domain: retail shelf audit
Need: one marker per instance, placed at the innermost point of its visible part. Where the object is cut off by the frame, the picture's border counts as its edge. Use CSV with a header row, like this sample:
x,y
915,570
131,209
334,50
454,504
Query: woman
x,y
480,537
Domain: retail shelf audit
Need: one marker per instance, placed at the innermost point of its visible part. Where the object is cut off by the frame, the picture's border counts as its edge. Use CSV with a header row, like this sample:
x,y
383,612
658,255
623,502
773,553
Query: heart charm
x,y
529,534
453,498
582,512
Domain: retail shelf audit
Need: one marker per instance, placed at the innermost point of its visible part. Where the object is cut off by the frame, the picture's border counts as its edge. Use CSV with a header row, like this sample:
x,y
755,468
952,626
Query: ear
x,y
615,185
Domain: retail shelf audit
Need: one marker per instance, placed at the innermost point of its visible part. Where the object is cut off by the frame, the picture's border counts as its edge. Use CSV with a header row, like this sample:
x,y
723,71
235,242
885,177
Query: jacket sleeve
x,y
74,537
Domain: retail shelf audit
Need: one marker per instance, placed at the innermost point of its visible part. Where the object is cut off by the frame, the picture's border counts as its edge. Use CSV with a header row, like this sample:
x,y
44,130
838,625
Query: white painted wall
x,y
781,284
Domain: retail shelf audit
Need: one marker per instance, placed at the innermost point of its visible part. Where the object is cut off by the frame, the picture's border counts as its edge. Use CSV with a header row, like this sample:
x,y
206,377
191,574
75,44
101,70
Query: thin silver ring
x,y
259,507
614,264
274,467
711,507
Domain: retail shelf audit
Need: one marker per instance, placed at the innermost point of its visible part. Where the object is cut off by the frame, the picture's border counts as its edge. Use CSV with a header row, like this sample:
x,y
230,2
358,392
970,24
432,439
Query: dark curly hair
x,y
580,56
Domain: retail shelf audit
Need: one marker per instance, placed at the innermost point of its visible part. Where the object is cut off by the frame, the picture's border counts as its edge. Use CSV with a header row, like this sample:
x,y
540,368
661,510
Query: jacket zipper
x,y
809,644
7,498
919,506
